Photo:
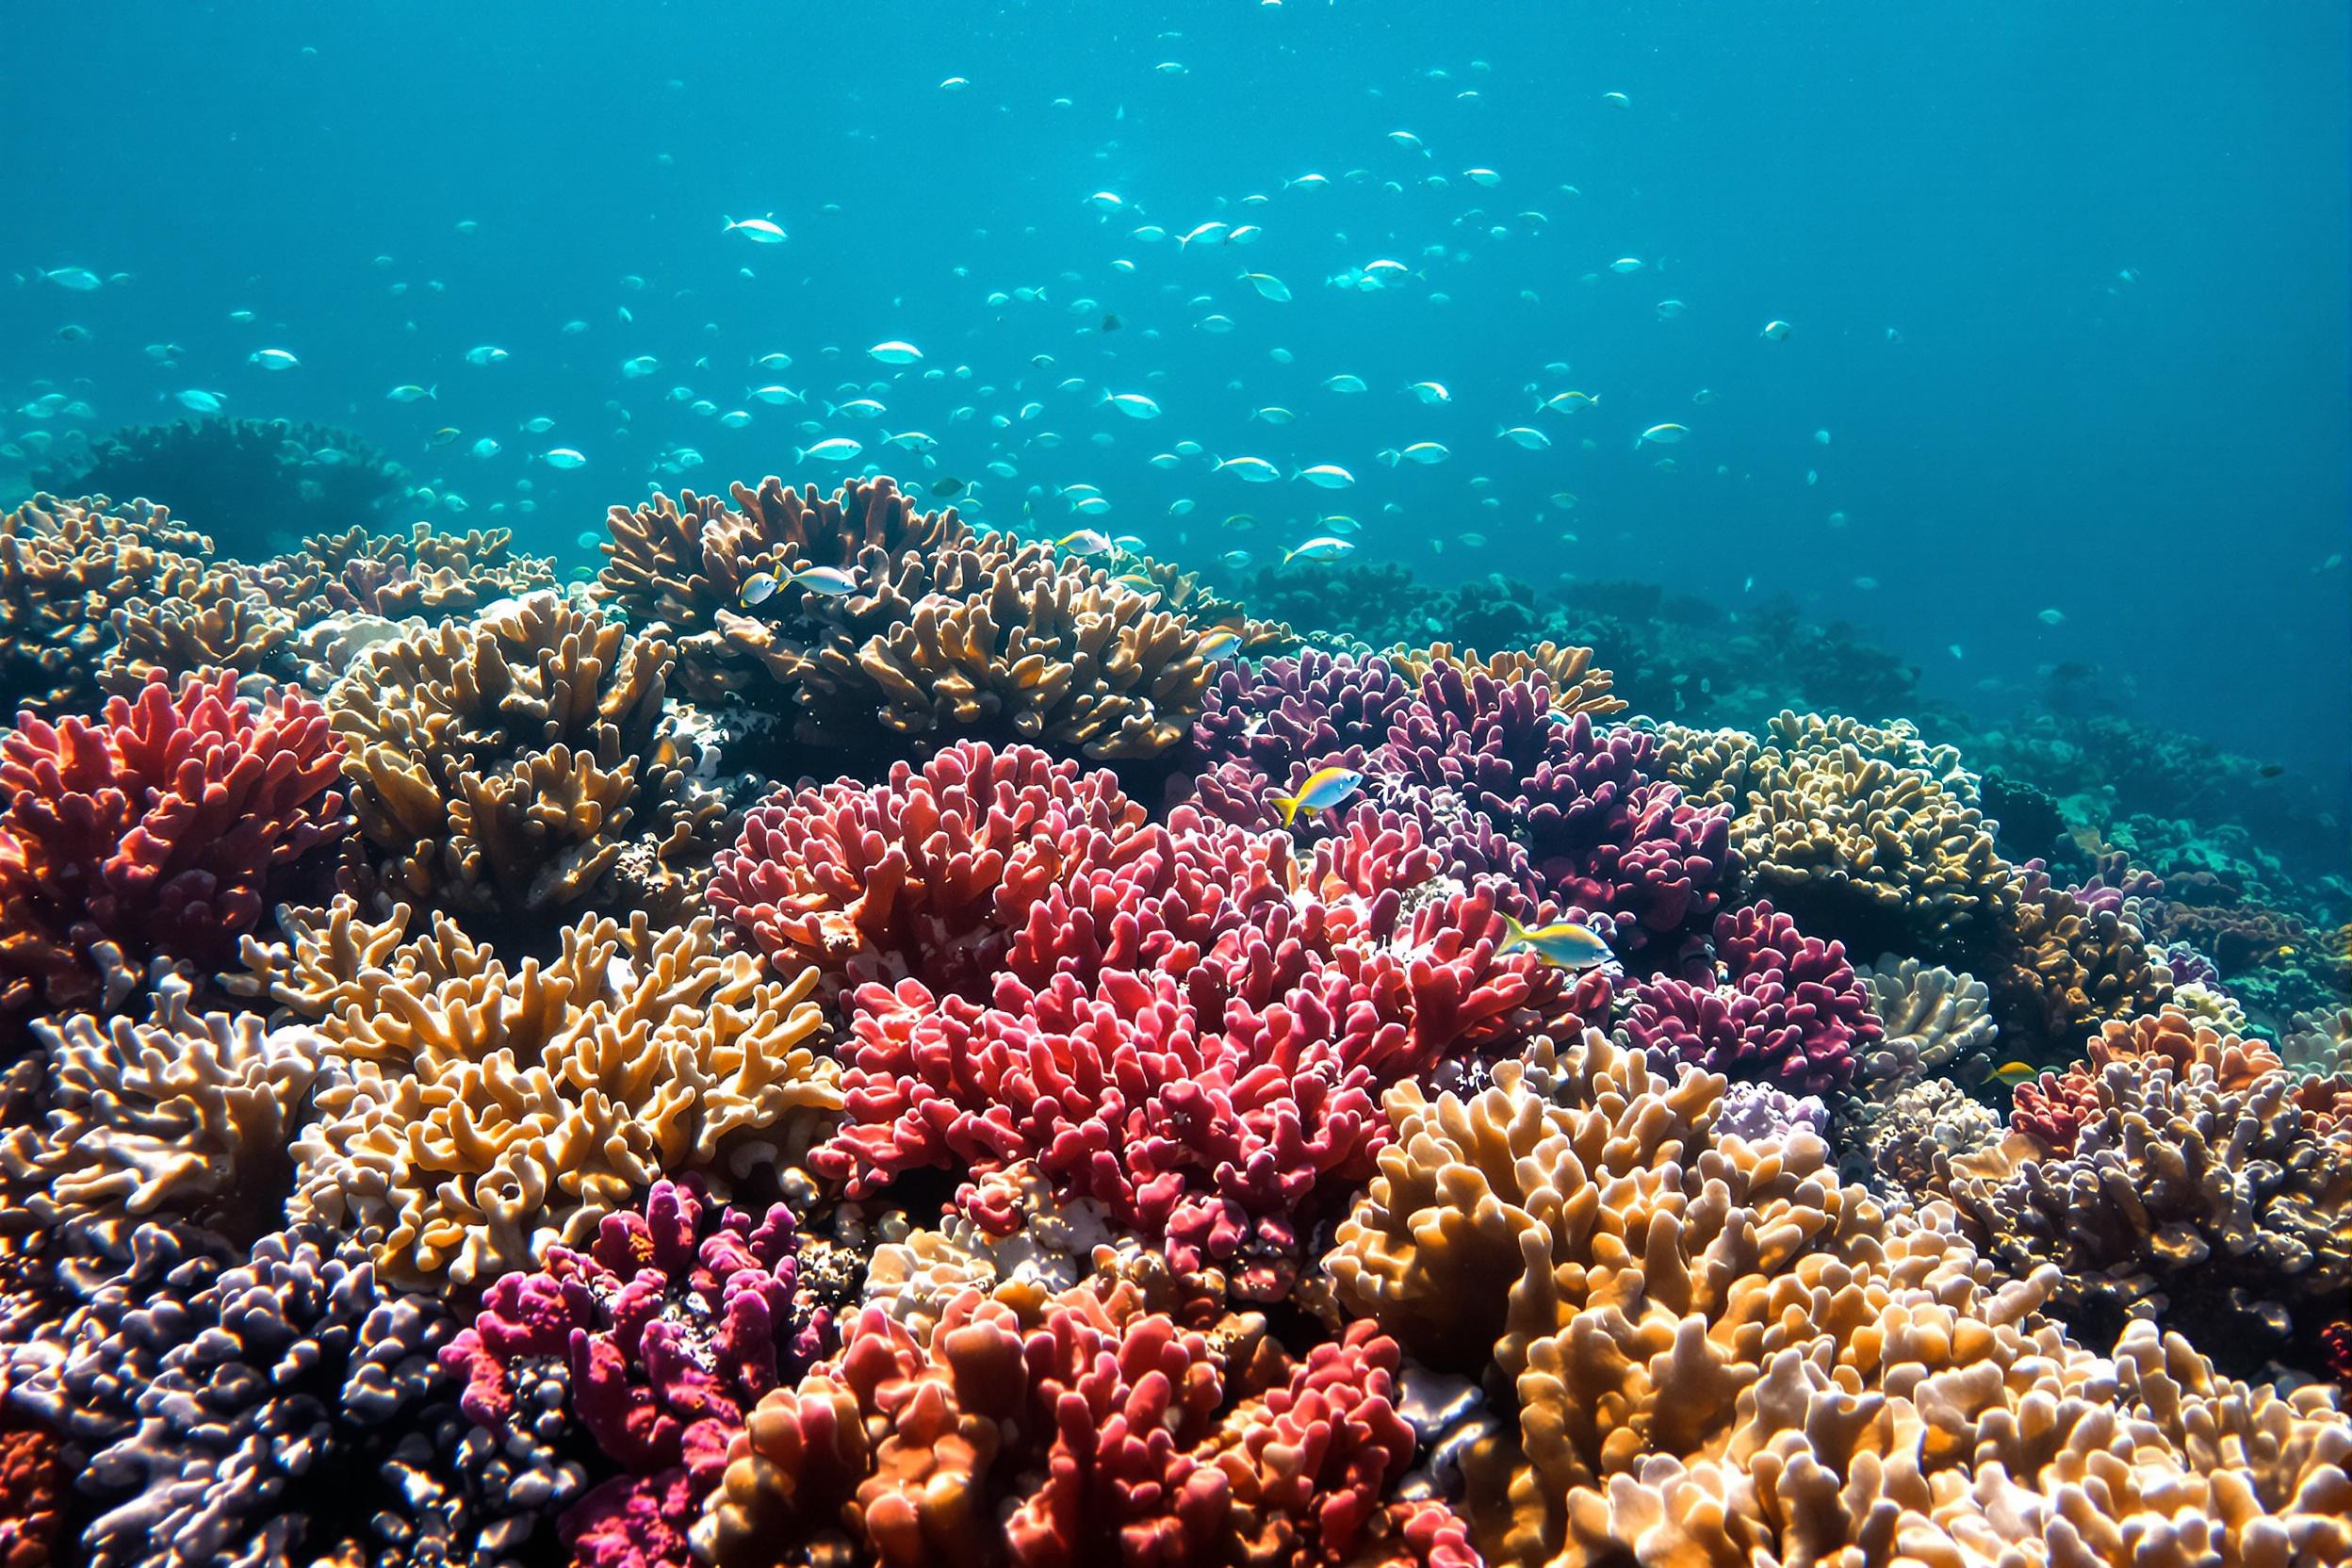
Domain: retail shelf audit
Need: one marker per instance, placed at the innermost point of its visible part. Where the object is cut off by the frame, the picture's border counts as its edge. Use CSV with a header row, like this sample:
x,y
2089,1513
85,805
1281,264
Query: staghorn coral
x,y
66,567
653,1342
1784,1010
1932,1021
1191,1033
1084,1427
180,1121
929,874
219,622
155,832
490,1113
2175,1177
1716,1354
504,768
1577,687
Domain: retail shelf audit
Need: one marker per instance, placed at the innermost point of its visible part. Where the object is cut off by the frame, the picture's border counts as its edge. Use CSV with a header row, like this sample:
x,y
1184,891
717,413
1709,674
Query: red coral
x,y
32,1490
156,829
923,877
1193,1032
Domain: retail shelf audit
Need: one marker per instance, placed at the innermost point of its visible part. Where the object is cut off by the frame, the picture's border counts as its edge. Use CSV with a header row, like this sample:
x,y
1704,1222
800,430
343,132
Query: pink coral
x,y
156,829
1786,1009
1195,1032
925,876
669,1328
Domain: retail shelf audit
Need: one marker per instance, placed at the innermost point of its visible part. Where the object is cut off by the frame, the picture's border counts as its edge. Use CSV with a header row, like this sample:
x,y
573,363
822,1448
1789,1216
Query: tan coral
x,y
1718,1355
421,573
1576,686
65,567
2066,969
1935,1021
490,1112
219,622
506,765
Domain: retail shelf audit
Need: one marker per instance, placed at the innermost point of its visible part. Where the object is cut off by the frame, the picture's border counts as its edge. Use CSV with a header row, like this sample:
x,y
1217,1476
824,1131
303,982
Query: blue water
x,y
2110,243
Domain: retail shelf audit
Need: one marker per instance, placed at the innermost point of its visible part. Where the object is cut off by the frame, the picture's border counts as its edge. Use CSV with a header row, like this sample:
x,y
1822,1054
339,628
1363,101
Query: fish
x,y
196,400
2052,617
643,364
2009,1074
1322,548
1486,177
1268,287
1325,790
1327,475
1221,643
893,351
1534,440
759,230
1775,330
947,487
1616,100
1085,541
485,448
1425,452
1626,264
777,395
1344,384
273,359
1663,435
487,353
538,425
77,280
839,448
1235,560
443,437
1133,404
1568,402
413,393
1257,470
1563,943
759,588
1110,320
734,418
955,84
563,457
1430,392
826,581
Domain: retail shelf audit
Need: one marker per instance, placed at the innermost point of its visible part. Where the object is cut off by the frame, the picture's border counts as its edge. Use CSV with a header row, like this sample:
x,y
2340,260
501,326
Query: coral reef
x,y
154,832
424,573
67,567
1776,1008
505,768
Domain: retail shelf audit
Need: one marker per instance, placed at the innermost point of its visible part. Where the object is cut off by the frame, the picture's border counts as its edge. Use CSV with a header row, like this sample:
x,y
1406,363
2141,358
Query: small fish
x,y
487,353
1325,548
412,393
644,364
1110,320
1222,643
1085,541
2009,1074
734,418
1563,943
1133,404
1257,470
1663,435
196,400
955,84
1777,331
1344,384
565,457
759,230
777,395
1268,287
1324,789
1626,264
1486,177
839,448
1430,392
2052,617
485,448
826,581
1616,100
896,353
77,280
538,425
1534,440
1235,560
443,437
273,359
1425,452
1327,475
759,588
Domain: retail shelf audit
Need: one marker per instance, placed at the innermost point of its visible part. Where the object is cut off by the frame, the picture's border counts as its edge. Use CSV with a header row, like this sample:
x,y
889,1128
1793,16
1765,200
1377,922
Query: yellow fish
x,y
1562,942
1324,789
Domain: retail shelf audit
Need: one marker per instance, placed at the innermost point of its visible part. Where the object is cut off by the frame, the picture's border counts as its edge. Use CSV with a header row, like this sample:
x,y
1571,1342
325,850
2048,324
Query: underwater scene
x,y
1252,782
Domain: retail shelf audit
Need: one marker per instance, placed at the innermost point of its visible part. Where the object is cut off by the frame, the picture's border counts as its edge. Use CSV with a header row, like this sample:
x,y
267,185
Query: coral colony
x,y
667,1074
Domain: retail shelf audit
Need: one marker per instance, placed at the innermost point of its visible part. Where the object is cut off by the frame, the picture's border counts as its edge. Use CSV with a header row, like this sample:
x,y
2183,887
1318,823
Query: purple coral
x,y
1785,1010
665,1331
1555,816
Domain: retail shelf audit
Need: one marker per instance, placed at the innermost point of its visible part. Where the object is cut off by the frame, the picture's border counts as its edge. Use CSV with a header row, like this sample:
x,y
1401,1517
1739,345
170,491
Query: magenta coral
x,y
1786,1009
1196,1032
925,876
1560,816
670,1328
156,829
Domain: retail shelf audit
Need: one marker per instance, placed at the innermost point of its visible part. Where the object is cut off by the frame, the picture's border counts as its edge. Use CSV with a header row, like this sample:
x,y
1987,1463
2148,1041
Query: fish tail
x,y
1514,935
1291,806
800,454
727,224
433,391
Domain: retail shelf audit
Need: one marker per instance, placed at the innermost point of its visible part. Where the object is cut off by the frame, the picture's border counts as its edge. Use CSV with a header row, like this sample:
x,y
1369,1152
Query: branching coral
x,y
1191,1033
424,573
1086,1428
66,567
2175,1177
219,622
503,768
1537,810
1784,1010
1932,1021
490,1113
929,875
153,832
1719,1355
1575,685
659,1337
2064,968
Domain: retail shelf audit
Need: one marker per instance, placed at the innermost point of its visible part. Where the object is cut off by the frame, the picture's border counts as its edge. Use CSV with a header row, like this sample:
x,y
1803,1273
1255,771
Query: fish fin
x,y
1290,805
726,224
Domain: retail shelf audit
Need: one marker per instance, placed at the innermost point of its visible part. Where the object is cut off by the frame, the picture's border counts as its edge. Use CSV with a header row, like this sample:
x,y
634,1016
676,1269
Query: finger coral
x,y
654,1342
217,622
1575,685
505,768
156,831
491,1113
2064,968
1086,1429
422,573
66,567
1193,1033
1785,1010
1716,1353
1932,1020
928,876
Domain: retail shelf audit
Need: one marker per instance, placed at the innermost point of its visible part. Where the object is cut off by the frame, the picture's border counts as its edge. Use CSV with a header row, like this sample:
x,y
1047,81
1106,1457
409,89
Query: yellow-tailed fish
x,y
1085,541
831,581
1224,643
1563,942
759,588
2013,1073
1325,788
